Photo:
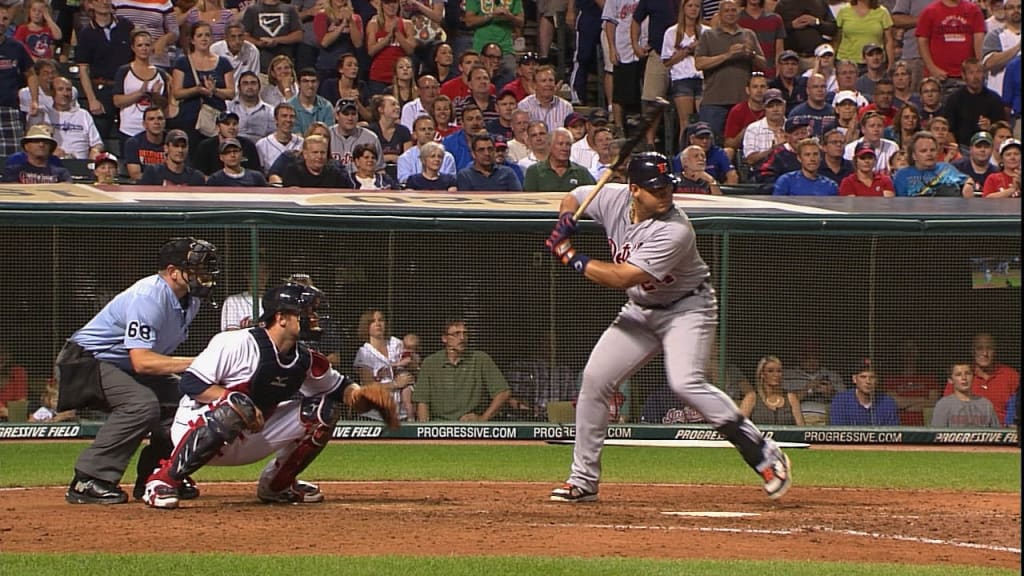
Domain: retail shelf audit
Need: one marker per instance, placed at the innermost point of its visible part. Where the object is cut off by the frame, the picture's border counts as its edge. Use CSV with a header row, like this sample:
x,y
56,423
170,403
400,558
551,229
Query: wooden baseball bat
x,y
624,153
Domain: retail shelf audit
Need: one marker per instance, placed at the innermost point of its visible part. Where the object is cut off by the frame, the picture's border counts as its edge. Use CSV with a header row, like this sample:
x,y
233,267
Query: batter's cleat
x,y
569,493
84,490
776,475
160,494
188,489
298,493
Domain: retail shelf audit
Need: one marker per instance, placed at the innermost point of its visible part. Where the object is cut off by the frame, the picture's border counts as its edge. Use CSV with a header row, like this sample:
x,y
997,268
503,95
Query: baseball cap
x,y
104,157
344,104
598,116
843,96
823,49
702,129
175,136
574,118
795,123
527,57
862,364
869,48
499,141
773,95
864,149
981,136
788,55
1007,143
230,142
225,116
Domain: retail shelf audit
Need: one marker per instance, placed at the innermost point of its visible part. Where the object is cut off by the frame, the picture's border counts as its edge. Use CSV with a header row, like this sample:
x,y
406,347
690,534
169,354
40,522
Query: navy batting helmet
x,y
295,298
197,258
651,170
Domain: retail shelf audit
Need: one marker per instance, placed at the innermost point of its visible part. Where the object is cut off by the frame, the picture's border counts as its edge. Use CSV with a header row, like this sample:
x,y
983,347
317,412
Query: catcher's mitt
x,y
375,397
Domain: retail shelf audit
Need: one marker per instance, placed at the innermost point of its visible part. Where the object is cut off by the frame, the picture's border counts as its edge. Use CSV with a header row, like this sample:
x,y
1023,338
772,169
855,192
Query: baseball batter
x,y
671,308
240,404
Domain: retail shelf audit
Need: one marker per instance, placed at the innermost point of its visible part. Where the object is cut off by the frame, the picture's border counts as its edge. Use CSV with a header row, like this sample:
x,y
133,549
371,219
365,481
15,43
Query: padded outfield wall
x,y
858,275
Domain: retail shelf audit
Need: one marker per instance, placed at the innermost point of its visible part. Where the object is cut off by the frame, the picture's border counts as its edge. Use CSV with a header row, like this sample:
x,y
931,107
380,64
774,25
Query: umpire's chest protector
x,y
274,382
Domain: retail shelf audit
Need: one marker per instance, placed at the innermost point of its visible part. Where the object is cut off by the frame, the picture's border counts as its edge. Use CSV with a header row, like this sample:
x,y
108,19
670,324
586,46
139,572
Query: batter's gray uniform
x,y
676,314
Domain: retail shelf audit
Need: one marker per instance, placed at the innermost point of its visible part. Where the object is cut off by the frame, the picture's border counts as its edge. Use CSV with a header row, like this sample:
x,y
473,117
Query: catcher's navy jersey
x,y
146,315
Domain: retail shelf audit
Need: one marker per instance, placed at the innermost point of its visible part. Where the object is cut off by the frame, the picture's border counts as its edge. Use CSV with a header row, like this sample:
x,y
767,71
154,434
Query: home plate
x,y
712,514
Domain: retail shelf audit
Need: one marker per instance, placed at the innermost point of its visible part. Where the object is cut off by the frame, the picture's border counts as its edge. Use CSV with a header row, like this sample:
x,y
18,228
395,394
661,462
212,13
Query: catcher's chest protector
x,y
273,382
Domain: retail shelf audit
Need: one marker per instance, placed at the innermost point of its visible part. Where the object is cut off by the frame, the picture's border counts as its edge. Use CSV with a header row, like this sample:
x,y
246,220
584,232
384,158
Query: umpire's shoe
x,y
85,490
298,493
570,493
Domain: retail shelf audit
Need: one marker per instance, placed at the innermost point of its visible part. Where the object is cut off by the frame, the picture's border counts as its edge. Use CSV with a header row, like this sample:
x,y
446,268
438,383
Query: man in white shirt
x,y
1000,46
282,140
518,147
584,150
539,140
768,132
429,88
255,117
544,106
73,127
409,162
243,55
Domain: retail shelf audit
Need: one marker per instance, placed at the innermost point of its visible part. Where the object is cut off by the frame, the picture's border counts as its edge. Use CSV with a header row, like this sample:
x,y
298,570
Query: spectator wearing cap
x,y
576,123
770,31
104,168
544,105
973,106
584,150
104,45
459,143
199,78
718,163
833,165
783,157
233,172
242,54
948,33
410,162
309,106
427,88
497,23
1005,184
526,67
809,25
806,181
481,94
760,137
346,134
208,157
501,157
557,173
788,80
38,144
926,176
282,140
865,181
863,405
502,125
174,171
694,178
825,64
977,163
745,113
147,147
883,101
847,73
816,111
727,55
255,117
845,105
314,170
74,129
484,174
872,126
874,70
862,23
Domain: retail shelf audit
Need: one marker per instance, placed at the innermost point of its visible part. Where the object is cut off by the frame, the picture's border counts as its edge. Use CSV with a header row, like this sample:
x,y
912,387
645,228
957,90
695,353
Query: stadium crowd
x,y
791,97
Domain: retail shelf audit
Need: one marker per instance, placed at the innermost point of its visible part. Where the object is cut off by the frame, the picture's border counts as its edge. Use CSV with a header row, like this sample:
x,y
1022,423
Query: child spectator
x,y
962,409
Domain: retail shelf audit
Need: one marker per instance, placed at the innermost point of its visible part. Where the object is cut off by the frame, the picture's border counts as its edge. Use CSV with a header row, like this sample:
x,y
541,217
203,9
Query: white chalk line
x,y
793,531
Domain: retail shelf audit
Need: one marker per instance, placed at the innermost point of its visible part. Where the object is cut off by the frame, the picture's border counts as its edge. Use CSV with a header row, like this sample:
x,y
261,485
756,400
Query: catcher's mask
x,y
197,259
299,299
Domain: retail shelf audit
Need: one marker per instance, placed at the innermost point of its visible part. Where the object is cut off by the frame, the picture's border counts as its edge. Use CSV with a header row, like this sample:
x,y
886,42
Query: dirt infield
x,y
506,518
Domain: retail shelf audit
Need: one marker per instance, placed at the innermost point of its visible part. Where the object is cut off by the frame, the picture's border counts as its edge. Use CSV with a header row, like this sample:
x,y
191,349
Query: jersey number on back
x,y
140,331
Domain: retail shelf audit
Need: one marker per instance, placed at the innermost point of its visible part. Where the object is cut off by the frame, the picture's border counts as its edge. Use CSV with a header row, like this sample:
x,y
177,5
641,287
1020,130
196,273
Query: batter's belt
x,y
704,285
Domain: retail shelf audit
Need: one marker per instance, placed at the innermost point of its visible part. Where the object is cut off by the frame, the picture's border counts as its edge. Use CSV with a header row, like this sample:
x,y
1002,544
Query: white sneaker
x,y
160,494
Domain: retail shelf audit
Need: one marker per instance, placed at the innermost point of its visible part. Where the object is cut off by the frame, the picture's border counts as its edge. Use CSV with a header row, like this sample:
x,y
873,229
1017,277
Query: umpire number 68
x,y
141,331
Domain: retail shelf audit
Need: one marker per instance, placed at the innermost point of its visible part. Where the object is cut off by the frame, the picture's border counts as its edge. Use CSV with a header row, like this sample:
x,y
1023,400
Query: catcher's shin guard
x,y
220,426
318,415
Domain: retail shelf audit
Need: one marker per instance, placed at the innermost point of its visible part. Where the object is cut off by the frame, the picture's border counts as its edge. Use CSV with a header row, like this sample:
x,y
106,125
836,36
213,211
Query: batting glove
x,y
568,256
564,229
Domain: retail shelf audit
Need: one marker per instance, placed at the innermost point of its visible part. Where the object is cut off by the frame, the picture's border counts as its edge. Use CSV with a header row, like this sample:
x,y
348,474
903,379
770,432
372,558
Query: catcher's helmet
x,y
197,258
295,298
651,170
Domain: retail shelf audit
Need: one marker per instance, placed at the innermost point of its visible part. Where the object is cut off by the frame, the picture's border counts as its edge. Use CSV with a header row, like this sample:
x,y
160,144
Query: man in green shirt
x,y
495,21
459,384
557,173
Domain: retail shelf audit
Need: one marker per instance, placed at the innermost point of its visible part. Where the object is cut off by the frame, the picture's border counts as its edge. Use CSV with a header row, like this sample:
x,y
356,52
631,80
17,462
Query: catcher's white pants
x,y
280,434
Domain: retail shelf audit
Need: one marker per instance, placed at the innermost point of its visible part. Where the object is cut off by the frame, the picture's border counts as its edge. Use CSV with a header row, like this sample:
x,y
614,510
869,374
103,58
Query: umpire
x,y
120,363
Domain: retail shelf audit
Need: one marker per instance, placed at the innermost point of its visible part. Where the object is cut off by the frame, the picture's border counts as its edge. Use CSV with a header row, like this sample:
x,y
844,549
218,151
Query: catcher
x,y
239,403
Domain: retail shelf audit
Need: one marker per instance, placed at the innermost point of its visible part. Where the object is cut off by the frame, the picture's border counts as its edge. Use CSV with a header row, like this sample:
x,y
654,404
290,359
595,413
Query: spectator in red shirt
x,y
459,87
885,94
865,181
949,32
745,113
13,382
1005,184
992,380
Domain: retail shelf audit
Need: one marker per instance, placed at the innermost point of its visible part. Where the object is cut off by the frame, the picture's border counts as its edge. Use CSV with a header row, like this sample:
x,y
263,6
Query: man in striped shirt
x,y
544,106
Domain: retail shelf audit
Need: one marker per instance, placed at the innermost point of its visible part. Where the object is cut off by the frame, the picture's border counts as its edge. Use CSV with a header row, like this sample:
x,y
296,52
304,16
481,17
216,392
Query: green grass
x,y
223,565
31,464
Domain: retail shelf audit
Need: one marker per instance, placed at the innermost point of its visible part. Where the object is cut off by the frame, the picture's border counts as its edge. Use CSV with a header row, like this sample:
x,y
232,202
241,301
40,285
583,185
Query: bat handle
x,y
605,177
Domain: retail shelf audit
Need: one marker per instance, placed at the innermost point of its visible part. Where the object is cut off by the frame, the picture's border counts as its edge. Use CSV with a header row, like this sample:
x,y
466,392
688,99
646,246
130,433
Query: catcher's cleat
x,y
569,493
84,490
298,493
160,494
776,475
188,489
